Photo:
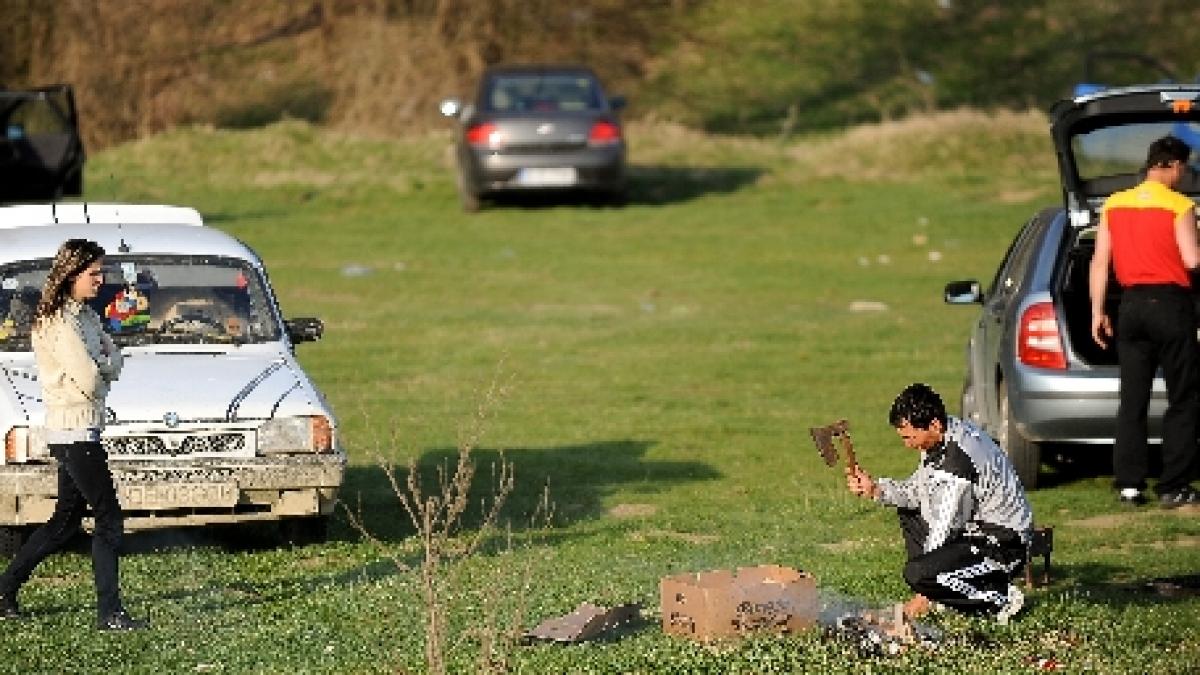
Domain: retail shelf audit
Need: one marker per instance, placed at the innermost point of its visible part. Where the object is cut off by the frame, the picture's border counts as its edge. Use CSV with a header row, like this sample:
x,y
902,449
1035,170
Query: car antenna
x,y
123,247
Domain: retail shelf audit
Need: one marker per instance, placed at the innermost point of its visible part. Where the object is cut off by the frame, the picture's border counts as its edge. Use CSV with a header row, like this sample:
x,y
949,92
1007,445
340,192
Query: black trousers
x,y
970,574
84,479
1157,327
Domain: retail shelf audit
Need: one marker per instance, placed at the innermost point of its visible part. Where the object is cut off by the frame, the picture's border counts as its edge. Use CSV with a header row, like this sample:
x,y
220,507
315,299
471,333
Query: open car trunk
x,y
1077,307
1101,143
41,154
1076,303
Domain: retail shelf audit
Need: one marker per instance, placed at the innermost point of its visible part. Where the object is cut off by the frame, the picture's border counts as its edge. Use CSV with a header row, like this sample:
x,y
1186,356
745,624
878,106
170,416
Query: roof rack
x,y
81,213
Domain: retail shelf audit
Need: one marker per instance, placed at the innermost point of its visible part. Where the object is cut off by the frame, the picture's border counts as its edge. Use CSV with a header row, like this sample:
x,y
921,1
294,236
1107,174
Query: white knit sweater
x,y
76,361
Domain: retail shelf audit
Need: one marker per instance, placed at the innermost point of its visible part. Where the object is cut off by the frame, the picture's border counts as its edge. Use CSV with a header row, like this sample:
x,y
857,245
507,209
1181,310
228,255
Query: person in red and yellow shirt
x,y
1148,234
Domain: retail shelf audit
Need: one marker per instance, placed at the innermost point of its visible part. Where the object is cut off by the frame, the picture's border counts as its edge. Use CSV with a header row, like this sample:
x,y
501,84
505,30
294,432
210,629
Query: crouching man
x,y
963,512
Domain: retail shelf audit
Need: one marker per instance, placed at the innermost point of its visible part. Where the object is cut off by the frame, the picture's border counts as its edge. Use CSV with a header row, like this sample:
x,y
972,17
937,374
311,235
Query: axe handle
x,y
848,447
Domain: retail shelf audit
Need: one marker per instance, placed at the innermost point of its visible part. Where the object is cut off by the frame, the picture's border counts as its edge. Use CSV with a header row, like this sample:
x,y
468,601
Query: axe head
x,y
823,439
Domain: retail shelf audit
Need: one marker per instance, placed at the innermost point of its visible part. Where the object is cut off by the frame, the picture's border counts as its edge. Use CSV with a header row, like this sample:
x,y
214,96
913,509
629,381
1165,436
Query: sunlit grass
x,y
668,358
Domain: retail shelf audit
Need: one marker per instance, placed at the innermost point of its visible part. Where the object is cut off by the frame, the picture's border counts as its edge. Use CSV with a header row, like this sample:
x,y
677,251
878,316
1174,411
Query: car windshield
x,y
153,299
1121,150
542,92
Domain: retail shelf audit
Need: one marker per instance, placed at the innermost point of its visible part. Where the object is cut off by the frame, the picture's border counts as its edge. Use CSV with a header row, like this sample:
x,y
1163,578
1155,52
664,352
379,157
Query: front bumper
x,y
156,494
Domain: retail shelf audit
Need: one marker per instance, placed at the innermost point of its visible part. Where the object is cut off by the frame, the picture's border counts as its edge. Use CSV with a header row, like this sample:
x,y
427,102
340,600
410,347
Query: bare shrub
x,y
437,509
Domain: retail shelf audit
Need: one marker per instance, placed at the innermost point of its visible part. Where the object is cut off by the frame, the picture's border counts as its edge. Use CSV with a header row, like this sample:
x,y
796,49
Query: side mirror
x,y
450,107
617,103
965,292
308,329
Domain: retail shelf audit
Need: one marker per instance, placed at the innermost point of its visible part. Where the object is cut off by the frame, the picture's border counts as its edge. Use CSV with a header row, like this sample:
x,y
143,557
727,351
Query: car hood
x,y
1101,139
195,387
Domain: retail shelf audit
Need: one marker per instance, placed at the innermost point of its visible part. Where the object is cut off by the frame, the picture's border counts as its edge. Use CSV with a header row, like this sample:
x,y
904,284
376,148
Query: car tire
x,y
471,202
11,539
1025,455
966,404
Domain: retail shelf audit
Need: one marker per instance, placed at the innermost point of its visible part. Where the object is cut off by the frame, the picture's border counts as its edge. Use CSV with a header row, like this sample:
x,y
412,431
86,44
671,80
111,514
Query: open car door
x,y
41,152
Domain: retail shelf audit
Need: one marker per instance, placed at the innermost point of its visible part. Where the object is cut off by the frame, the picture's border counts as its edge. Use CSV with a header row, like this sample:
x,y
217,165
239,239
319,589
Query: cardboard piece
x,y
585,623
723,603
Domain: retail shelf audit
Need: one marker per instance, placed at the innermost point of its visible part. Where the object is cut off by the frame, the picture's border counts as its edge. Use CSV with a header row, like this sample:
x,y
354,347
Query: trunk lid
x,y
1101,140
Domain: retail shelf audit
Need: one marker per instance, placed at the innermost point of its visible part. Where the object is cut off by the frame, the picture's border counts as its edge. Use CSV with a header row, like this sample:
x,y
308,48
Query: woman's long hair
x,y
73,257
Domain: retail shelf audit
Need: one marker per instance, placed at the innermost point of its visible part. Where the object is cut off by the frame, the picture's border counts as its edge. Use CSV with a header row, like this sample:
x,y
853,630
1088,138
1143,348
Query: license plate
x,y
547,177
176,496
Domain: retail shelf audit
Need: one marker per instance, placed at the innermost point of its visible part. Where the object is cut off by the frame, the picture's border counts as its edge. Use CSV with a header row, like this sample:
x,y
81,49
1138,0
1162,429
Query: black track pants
x,y
1157,327
969,574
84,480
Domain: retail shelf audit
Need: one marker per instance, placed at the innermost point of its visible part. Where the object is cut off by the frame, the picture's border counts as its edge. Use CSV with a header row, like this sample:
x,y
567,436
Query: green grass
x,y
666,358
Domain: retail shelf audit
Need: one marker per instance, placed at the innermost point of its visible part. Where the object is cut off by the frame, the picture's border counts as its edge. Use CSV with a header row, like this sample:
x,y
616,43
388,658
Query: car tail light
x,y
604,133
1039,343
486,134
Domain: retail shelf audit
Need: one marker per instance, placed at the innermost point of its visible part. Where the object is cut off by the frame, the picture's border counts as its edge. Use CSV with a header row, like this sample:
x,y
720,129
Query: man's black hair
x,y
919,405
1166,150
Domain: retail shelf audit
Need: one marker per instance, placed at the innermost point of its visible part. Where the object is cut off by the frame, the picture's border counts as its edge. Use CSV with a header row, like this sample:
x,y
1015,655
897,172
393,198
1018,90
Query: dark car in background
x,y
537,129
41,153
1034,376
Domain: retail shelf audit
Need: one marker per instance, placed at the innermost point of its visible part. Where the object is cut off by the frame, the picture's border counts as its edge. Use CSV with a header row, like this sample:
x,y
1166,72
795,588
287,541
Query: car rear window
x,y
542,92
1121,150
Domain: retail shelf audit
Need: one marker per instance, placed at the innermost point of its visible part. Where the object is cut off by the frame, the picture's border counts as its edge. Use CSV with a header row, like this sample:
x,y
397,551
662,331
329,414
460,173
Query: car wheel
x,y
471,202
966,404
11,539
1025,455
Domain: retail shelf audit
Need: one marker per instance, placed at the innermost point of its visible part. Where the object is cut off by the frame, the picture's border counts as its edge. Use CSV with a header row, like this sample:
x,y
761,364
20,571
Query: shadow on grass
x,y
1066,464
578,478
1097,585
646,185
658,185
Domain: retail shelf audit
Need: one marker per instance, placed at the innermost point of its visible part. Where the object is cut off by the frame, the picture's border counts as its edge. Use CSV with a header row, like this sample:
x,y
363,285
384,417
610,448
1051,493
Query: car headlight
x,y
295,434
23,444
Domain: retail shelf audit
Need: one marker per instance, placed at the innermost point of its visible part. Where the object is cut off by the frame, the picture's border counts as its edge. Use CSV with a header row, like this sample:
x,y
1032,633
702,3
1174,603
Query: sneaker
x,y
1184,496
121,621
1012,605
8,607
1131,497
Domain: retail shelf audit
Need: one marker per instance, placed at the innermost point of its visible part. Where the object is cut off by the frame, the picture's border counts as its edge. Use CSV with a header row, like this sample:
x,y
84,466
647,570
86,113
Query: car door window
x,y
1012,268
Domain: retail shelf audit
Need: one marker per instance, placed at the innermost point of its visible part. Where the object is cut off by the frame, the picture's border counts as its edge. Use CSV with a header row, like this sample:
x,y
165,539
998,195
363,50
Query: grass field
x,y
666,361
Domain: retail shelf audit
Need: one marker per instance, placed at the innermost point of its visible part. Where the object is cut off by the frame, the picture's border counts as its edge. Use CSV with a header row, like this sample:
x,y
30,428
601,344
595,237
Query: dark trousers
x,y
84,480
970,574
1157,327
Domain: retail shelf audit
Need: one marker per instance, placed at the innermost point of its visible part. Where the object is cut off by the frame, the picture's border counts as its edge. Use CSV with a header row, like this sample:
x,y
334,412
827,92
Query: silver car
x,y
1034,376
213,420
538,128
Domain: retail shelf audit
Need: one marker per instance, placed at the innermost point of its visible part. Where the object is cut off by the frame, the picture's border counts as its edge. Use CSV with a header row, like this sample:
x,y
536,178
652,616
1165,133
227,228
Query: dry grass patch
x,y
955,142
633,510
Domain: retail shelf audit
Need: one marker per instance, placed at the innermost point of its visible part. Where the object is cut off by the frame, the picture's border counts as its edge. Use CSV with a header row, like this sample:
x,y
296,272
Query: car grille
x,y
150,446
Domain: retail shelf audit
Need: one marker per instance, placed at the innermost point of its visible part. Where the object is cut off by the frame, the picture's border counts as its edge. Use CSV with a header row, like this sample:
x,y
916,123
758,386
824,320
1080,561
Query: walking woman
x,y
76,362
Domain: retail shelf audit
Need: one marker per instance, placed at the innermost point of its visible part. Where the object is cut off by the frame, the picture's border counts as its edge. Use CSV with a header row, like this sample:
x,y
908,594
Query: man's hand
x,y
860,482
1101,329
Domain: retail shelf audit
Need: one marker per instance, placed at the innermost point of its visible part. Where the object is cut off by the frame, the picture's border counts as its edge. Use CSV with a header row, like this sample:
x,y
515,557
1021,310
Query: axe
x,y
823,438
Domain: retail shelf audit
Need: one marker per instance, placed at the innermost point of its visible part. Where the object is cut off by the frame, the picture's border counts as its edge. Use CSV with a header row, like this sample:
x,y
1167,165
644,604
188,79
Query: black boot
x,y
8,606
120,621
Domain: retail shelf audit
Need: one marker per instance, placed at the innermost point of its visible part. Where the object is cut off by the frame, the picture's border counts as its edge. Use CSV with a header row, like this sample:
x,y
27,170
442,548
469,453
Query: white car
x,y
212,419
